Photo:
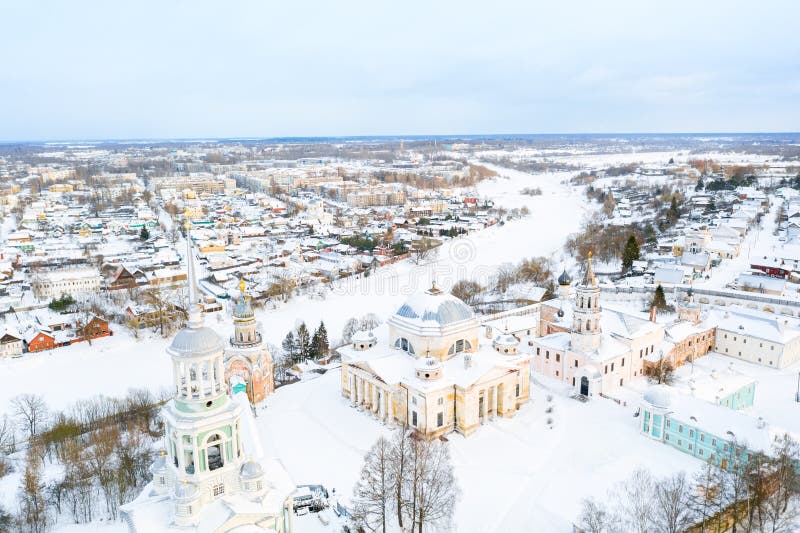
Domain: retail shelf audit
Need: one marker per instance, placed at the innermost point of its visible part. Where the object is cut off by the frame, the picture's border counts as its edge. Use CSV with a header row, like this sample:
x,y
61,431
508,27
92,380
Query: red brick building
x,y
38,340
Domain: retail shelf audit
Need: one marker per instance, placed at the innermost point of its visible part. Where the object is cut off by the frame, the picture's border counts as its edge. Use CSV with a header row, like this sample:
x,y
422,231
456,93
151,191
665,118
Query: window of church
x,y
558,358
441,401
414,418
517,390
413,400
403,344
219,488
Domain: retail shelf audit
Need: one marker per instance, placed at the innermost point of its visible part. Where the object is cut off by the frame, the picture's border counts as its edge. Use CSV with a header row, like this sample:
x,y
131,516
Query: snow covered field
x,y
515,475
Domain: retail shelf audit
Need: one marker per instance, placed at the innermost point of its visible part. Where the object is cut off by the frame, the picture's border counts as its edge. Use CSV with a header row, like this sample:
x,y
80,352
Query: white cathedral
x,y
438,373
213,475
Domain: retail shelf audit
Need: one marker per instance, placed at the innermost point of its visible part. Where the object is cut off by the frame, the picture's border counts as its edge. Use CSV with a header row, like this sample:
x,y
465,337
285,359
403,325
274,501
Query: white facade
x,y
72,282
758,337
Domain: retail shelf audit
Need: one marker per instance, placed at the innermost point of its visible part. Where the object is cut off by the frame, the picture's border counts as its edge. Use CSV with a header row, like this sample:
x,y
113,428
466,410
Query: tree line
x,y
754,492
100,448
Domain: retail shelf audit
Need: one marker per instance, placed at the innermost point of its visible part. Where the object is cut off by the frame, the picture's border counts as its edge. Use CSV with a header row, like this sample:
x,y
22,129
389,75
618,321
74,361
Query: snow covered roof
x,y
658,396
436,306
195,342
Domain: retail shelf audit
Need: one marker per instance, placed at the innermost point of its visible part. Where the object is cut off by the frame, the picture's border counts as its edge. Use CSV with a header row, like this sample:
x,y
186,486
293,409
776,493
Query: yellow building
x,y
437,374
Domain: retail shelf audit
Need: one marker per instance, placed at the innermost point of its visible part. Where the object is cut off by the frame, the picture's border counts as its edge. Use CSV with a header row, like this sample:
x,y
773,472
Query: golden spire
x,y
242,285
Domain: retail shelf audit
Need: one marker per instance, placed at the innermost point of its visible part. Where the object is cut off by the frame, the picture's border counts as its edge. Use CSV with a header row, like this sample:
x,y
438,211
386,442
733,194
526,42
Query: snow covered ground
x,y
110,366
515,474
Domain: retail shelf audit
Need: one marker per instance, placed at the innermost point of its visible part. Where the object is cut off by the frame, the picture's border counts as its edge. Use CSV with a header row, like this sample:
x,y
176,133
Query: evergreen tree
x,y
674,212
659,300
303,342
289,346
700,185
144,234
320,341
630,253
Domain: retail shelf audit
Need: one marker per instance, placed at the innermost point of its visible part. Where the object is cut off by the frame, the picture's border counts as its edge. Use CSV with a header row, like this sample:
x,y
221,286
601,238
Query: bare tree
x,y
34,516
781,508
467,290
423,250
705,499
399,470
433,487
370,321
31,411
350,327
374,489
671,512
635,502
7,435
594,517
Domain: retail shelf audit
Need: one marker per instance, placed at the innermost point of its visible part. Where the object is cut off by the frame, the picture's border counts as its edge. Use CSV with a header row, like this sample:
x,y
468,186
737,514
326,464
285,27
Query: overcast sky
x,y
139,69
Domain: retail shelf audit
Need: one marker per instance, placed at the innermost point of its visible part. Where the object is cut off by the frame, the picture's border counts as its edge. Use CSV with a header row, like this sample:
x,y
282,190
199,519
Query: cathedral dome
x,y
658,396
195,341
435,305
564,279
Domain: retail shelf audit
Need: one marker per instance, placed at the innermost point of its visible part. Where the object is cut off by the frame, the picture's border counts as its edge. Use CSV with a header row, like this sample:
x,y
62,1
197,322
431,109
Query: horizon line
x,y
398,137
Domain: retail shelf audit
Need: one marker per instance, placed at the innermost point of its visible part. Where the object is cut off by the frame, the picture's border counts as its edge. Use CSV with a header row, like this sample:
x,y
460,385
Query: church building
x,y
592,349
248,363
438,373
212,475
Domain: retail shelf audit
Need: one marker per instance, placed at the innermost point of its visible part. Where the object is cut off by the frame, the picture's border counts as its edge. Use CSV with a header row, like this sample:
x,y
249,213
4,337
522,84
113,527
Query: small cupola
x,y
363,340
428,368
506,343
252,476
159,471
186,498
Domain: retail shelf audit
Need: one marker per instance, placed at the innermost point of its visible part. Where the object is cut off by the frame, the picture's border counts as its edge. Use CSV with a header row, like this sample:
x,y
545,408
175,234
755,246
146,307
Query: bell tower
x,y
202,424
586,312
245,333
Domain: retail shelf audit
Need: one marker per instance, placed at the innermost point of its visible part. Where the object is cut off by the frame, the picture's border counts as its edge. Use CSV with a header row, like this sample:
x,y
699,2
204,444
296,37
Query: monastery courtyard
x,y
521,474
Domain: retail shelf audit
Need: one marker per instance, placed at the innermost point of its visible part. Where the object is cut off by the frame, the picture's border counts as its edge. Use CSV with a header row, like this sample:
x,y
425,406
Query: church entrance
x,y
585,386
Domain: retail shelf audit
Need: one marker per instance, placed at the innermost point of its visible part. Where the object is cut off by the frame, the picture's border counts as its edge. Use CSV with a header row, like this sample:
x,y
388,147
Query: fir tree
x,y
320,341
630,253
303,342
144,234
674,212
659,300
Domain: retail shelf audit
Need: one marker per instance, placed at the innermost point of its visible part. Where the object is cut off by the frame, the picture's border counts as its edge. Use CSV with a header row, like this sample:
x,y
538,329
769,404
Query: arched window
x,y
588,326
214,451
403,344
461,345
589,303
